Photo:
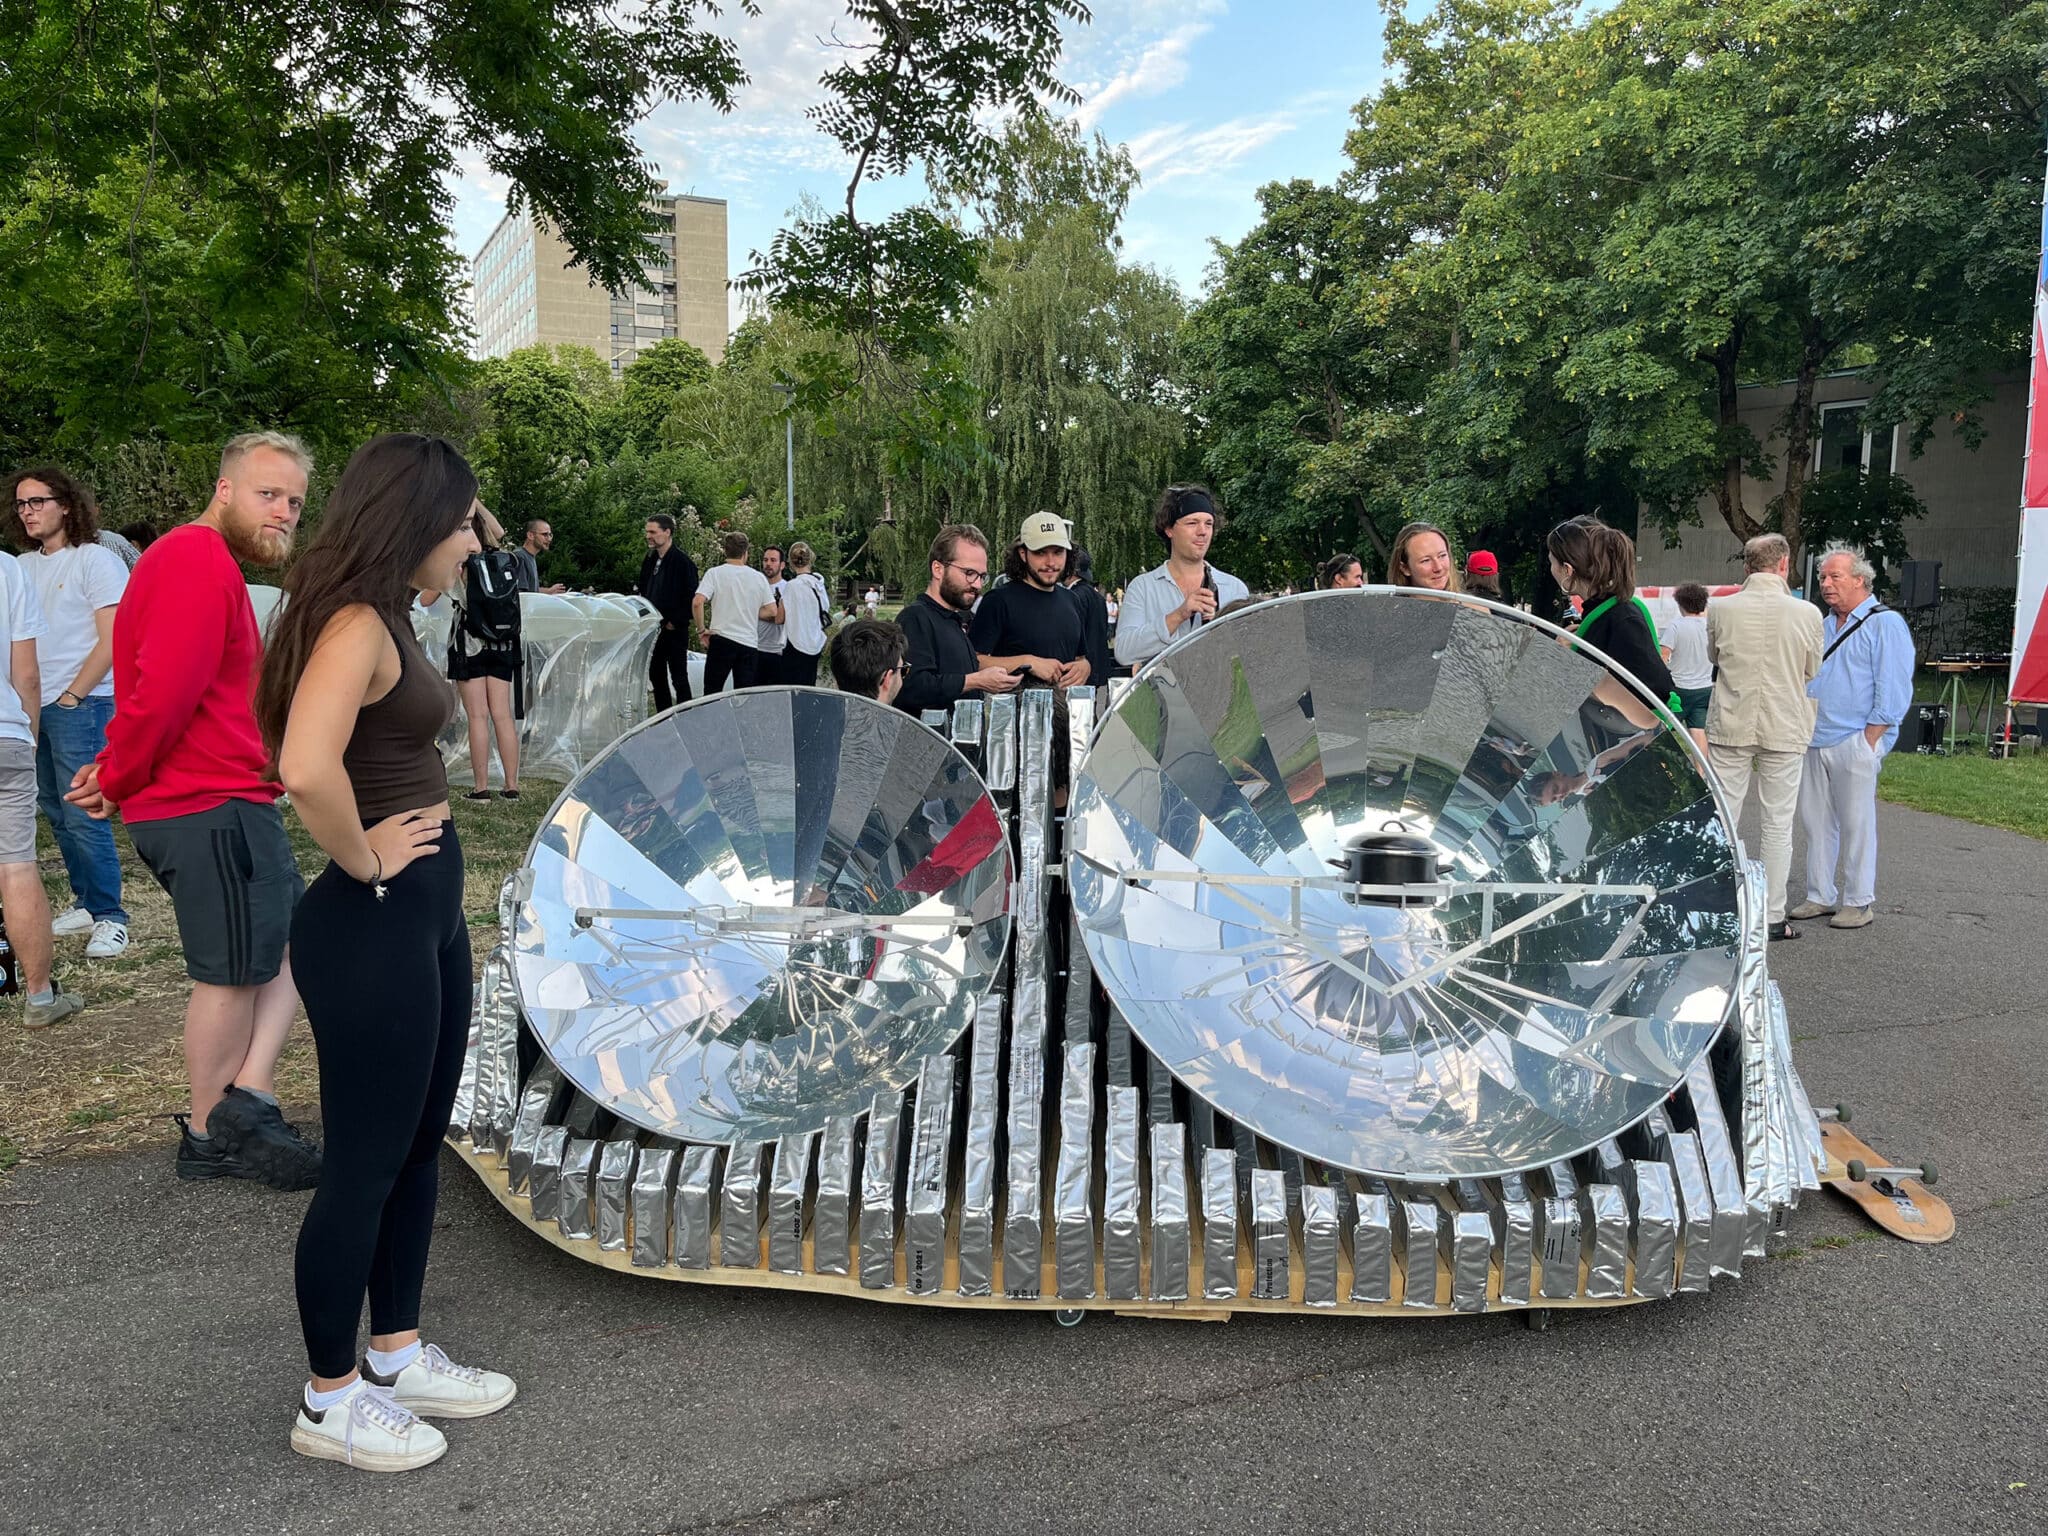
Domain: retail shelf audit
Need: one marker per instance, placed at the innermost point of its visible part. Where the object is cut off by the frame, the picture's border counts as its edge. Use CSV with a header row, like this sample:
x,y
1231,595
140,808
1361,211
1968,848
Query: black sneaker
x,y
204,1159
252,1131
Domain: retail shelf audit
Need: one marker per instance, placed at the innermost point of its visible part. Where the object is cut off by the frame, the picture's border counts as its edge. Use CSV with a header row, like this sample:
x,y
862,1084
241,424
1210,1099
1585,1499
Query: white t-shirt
x,y
735,594
72,585
21,618
769,639
1687,638
804,603
874,600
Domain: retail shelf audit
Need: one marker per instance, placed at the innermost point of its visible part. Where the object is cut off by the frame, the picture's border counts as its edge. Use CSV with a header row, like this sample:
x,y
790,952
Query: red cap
x,y
1481,563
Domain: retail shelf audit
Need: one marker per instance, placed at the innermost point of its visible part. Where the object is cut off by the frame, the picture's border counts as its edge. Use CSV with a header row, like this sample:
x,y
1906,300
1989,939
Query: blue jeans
x,y
69,739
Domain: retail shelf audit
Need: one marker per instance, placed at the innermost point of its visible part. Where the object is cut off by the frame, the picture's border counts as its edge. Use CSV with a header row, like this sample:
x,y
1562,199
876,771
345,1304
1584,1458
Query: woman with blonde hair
x,y
1421,557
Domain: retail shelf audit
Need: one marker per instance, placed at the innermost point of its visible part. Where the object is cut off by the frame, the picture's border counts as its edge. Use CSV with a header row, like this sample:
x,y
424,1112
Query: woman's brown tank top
x,y
392,759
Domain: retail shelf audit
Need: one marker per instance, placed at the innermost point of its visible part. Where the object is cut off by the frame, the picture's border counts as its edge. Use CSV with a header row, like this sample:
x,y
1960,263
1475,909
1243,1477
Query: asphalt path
x,y
149,1352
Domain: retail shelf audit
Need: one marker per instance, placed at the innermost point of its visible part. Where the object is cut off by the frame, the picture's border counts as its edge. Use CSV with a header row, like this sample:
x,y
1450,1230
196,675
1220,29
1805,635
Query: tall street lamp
x,y
788,393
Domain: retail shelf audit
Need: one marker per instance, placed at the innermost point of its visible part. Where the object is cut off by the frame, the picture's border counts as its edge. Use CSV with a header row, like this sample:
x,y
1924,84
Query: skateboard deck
x,y
1906,1208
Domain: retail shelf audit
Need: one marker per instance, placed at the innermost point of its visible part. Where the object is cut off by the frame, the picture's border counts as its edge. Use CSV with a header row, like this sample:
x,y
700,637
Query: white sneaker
x,y
435,1386
72,924
109,940
367,1429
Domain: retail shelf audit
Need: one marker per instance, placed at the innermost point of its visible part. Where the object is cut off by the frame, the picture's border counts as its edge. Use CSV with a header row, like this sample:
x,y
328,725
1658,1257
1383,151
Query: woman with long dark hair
x,y
350,708
1597,565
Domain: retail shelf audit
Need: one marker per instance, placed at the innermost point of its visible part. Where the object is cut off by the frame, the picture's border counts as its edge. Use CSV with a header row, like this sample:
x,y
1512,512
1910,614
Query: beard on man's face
x,y
251,541
955,592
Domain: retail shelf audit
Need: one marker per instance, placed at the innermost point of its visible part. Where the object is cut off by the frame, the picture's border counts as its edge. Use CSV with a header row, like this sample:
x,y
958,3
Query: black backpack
x,y
490,606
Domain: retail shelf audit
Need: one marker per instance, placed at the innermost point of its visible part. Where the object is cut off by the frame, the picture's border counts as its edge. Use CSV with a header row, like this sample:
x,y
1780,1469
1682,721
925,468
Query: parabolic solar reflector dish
x,y
755,911
1547,928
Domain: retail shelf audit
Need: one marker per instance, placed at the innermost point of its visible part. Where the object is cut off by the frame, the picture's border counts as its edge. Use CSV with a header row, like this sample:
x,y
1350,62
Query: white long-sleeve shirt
x,y
1141,626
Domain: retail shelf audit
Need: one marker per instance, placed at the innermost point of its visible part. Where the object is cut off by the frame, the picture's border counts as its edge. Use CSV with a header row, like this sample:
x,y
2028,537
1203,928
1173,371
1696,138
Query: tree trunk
x,y
1813,352
1728,490
1379,545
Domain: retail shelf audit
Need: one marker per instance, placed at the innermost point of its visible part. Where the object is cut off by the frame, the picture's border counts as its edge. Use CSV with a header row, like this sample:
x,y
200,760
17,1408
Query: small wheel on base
x,y
1538,1319
1070,1317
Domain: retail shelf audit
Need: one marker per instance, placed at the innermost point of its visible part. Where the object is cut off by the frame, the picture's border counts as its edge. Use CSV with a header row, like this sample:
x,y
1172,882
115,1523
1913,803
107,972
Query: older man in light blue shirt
x,y
1864,689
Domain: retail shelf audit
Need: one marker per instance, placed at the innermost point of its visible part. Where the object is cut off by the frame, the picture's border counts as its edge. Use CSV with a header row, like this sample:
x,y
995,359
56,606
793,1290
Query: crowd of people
x,y
150,693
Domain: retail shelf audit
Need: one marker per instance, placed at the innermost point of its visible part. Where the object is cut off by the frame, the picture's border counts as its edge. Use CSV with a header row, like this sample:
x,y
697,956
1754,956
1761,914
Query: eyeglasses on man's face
x,y
974,577
34,503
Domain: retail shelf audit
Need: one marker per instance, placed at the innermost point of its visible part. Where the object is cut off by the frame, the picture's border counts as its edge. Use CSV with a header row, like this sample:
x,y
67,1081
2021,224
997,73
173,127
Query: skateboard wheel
x,y
1842,1113
1927,1173
1070,1317
1858,1169
1538,1319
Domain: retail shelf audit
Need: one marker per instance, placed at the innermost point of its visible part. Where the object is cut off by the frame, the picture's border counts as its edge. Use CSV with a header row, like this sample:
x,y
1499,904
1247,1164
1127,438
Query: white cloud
x,y
1161,66
1173,151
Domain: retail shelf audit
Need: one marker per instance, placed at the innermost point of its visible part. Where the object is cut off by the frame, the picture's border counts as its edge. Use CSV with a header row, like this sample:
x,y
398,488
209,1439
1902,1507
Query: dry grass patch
x,y
108,1078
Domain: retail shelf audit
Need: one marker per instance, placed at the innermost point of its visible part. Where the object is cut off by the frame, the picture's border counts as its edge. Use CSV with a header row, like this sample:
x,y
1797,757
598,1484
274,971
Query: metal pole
x,y
789,447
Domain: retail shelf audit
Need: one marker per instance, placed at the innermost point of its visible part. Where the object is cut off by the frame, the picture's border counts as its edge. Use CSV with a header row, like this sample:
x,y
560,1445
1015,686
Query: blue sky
x,y
1213,98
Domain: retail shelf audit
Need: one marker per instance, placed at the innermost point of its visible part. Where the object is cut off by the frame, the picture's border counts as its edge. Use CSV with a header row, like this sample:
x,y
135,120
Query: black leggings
x,y
387,991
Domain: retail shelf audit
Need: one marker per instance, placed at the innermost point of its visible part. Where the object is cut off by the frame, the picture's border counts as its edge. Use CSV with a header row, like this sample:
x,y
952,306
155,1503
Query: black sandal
x,y
508,794
1777,931
479,794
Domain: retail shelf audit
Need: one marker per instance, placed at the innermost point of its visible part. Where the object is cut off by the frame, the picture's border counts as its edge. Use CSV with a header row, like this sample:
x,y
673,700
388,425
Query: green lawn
x,y
2010,793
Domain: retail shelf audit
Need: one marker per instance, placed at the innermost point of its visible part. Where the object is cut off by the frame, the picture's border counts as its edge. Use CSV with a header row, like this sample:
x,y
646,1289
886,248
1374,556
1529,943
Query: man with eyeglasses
x,y
941,663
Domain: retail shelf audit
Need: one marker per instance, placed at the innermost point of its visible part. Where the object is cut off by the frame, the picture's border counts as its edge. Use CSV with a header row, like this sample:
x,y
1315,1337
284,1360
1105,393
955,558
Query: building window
x,y
1841,442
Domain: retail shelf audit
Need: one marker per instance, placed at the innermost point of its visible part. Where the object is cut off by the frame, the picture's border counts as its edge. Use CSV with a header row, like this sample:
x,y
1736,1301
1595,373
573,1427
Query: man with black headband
x,y
1164,603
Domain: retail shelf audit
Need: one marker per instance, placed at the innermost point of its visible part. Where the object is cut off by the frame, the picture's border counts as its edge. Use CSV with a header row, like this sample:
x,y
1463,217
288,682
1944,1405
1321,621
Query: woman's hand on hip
x,y
397,841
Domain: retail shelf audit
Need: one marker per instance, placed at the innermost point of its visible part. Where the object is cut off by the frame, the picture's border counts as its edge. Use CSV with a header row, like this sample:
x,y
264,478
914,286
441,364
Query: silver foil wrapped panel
x,y
544,1182
1322,1244
832,1209
978,1169
1170,1227
1604,1216
694,1214
573,1214
538,1101
1219,1223
739,1207
1074,1185
654,1183
1421,1227
1123,1236
786,1202
930,1181
1372,1249
881,1191
615,1167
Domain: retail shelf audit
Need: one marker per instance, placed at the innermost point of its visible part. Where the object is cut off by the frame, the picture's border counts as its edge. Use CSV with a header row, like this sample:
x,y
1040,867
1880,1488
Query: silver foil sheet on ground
x,y
1604,1218
694,1212
1270,1278
1724,1173
654,1183
1653,1228
930,1183
1219,1223
832,1210
544,1182
573,1215
786,1194
1170,1231
1802,1127
1761,1161
537,1103
1322,1242
739,1205
1466,1241
977,1240
881,1191
1372,1249
615,1166
1073,1198
1123,1233
1421,1225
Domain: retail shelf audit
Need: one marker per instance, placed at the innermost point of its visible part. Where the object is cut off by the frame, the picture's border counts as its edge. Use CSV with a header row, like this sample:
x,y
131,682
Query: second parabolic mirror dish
x,y
1542,987
757,910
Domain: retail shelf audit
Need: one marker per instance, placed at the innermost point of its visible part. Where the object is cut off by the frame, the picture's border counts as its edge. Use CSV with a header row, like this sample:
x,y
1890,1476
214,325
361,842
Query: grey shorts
x,y
233,882
17,802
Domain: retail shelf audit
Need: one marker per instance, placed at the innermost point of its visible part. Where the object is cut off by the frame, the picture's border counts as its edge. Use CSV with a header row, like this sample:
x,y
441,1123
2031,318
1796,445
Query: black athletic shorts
x,y
233,882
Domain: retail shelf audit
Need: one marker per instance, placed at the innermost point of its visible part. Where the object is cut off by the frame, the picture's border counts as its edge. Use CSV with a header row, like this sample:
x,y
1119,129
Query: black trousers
x,y
799,670
670,669
724,659
387,990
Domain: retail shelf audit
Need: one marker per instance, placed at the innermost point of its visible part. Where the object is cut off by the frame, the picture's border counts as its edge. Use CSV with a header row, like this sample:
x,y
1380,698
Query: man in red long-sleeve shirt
x,y
185,765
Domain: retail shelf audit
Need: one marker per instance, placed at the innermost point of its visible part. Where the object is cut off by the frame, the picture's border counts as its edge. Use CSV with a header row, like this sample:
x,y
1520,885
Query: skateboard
x,y
1897,1199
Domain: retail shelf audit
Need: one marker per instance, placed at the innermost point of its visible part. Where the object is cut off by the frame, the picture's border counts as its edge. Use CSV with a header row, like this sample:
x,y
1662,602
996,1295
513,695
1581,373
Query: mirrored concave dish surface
x,y
1577,950
753,912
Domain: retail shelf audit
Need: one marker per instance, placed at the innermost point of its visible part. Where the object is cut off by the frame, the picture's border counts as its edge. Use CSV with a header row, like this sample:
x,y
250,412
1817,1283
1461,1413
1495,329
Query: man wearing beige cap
x,y
1031,625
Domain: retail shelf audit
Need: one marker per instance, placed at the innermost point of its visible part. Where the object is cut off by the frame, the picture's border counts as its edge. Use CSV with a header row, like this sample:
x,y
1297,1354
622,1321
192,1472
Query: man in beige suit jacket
x,y
1766,644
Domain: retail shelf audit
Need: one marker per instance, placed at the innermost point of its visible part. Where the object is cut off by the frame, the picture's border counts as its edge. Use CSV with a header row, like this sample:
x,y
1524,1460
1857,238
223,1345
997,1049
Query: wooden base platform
x,y
493,1174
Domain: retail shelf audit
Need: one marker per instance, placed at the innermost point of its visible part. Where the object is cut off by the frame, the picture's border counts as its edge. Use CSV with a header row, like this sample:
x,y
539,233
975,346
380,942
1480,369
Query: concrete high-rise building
x,y
524,291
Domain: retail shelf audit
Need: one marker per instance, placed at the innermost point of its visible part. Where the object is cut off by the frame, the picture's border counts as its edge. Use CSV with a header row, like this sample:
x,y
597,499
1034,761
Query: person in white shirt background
x,y
769,639
1685,652
874,600
739,598
78,584
806,608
